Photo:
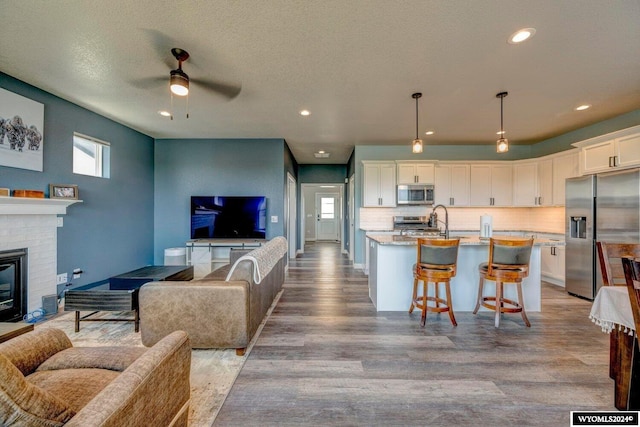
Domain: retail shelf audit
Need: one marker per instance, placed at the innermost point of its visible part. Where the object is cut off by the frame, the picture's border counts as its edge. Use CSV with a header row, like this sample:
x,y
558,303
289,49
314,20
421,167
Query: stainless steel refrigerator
x,y
603,207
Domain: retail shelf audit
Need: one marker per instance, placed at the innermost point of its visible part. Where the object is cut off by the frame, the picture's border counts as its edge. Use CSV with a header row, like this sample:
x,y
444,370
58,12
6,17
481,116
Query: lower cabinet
x,y
552,262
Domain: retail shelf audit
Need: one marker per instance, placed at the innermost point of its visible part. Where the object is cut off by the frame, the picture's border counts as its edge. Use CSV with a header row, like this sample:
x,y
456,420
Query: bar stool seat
x,y
508,263
436,263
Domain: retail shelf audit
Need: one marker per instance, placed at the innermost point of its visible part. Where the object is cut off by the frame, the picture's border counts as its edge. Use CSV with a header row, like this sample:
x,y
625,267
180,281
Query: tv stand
x,y
207,255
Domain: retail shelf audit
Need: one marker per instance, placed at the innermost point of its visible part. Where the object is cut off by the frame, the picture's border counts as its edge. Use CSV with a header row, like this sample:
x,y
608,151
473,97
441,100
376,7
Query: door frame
x,y
306,209
292,218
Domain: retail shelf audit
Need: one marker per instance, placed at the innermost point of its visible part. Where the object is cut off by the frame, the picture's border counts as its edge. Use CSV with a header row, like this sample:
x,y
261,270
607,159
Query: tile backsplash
x,y
540,219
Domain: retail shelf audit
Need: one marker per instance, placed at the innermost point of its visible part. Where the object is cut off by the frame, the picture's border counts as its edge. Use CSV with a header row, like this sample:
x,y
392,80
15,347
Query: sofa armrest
x,y
153,390
29,350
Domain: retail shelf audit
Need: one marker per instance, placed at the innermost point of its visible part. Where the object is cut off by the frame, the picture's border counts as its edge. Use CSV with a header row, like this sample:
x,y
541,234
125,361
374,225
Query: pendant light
x,y
417,143
502,144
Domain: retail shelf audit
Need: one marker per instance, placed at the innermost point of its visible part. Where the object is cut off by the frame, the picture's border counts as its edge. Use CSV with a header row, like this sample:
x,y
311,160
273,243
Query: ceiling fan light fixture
x,y
502,144
179,83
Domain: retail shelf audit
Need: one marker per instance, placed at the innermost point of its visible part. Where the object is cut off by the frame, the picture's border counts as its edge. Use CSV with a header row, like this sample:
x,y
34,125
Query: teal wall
x,y
322,174
214,167
112,230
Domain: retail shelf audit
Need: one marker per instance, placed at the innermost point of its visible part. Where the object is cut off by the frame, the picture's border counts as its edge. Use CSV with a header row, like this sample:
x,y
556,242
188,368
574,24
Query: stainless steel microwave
x,y
415,194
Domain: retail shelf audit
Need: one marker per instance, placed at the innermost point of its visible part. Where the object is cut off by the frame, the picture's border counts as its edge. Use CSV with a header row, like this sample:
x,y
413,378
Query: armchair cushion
x,y
25,404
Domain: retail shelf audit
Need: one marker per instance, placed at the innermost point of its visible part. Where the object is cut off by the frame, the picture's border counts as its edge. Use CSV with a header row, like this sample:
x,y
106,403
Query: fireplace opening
x,y
13,285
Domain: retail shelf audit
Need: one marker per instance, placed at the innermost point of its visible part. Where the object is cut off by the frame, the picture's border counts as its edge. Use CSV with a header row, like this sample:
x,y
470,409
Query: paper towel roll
x,y
486,226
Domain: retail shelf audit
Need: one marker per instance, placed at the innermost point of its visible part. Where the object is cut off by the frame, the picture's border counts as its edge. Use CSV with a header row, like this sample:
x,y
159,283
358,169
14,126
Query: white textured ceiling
x,y
353,63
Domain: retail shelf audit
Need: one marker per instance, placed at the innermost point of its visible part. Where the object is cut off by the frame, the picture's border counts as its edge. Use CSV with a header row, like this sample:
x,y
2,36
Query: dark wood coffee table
x,y
122,294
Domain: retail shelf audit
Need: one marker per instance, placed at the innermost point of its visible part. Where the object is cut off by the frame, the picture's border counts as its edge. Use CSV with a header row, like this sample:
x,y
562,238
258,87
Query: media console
x,y
207,255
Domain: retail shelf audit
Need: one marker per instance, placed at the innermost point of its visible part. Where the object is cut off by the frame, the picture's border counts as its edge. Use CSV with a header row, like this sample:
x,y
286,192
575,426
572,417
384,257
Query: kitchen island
x,y
391,258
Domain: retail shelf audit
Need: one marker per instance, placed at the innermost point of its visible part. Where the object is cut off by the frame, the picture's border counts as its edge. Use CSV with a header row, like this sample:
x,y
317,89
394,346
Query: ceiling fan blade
x,y
229,91
149,82
161,44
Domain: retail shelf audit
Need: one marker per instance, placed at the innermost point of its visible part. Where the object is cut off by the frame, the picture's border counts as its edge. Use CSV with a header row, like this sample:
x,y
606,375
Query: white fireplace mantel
x,y
34,206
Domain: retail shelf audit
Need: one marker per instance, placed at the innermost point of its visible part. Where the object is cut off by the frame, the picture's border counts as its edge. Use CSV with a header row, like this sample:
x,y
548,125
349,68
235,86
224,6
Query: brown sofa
x,y
46,381
222,310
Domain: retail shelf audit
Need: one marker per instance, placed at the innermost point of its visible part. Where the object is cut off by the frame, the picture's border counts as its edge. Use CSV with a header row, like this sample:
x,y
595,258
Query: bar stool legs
x,y
499,302
440,305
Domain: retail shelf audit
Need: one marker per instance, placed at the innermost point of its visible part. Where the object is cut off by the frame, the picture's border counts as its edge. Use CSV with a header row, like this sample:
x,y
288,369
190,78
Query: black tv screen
x,y
228,217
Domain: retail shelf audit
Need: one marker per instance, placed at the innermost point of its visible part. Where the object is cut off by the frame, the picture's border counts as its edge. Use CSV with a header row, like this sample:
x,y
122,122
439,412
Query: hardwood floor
x,y
326,357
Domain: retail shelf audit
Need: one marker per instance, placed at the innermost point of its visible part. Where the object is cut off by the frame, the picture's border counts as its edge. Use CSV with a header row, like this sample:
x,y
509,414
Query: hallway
x,y
326,357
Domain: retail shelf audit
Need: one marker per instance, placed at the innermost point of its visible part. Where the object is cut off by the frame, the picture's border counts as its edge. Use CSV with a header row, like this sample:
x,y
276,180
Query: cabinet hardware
x,y
615,161
451,201
611,160
553,250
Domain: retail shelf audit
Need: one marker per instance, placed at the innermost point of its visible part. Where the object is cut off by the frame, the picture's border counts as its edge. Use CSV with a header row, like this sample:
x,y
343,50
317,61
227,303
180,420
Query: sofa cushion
x,y
75,386
112,358
25,404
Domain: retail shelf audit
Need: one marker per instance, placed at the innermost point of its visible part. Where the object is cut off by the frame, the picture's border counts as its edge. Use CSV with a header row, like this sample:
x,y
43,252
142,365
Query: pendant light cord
x,y
416,118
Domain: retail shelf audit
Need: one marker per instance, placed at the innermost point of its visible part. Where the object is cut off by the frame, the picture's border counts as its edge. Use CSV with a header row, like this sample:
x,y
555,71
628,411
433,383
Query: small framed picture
x,y
4,192
63,191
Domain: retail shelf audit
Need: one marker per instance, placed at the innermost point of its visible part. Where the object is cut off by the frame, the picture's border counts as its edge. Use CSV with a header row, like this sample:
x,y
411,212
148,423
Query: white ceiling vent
x,y
321,155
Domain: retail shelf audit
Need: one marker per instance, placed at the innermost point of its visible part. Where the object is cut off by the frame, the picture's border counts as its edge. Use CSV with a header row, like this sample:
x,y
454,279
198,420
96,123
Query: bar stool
x,y
436,263
508,263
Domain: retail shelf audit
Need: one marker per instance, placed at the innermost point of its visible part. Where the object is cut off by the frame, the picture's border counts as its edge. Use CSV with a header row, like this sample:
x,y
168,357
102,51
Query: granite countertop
x,y
468,240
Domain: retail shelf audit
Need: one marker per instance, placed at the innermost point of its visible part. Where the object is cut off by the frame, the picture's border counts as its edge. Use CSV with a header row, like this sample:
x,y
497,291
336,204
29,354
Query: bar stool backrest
x,y
509,253
439,253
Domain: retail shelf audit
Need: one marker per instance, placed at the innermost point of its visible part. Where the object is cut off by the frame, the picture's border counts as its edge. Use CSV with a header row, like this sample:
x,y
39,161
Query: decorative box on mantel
x,y
34,206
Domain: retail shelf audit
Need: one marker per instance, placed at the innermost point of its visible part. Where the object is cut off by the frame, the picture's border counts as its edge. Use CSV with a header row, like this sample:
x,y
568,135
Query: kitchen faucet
x,y
446,219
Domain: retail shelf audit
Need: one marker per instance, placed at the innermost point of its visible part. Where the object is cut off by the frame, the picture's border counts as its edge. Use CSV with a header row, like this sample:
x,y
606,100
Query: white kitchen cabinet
x,y
564,166
552,262
612,151
379,184
415,173
533,183
451,185
491,185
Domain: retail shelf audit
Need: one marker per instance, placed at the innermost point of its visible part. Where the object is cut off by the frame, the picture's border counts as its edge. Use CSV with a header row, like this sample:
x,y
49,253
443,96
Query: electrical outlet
x,y
274,218
61,279
60,221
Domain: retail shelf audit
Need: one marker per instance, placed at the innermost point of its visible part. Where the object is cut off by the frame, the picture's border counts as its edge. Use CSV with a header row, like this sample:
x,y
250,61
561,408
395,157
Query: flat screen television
x,y
228,217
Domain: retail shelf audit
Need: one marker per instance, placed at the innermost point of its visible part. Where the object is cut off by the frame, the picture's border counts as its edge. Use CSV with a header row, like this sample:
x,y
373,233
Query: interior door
x,y
327,218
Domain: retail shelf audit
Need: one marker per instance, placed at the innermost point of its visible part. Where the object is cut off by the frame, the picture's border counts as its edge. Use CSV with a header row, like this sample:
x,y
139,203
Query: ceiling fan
x,y
179,80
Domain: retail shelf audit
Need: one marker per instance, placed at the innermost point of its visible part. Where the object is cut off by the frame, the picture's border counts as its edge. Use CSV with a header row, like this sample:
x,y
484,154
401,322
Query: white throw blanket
x,y
263,258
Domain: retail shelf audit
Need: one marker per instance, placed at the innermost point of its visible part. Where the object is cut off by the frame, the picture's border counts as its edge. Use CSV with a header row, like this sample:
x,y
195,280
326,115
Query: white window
x,y
327,207
90,156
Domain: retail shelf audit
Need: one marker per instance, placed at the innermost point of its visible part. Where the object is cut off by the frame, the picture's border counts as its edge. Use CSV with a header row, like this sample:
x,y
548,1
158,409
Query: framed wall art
x,y
21,131
63,191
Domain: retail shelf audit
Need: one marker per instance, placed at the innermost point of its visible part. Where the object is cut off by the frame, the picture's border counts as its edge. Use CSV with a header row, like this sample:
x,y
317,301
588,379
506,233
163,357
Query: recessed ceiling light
x,y
164,113
321,151
304,113
429,132
521,35
583,107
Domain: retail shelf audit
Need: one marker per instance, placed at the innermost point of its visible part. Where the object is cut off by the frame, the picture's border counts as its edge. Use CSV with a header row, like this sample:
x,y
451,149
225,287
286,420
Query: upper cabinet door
x,y
388,185
598,157
379,184
480,185
545,183
563,167
502,185
525,184
628,150
416,173
452,185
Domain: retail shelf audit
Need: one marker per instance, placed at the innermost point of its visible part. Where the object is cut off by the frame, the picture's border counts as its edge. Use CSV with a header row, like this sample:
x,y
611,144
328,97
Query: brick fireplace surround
x,y
32,224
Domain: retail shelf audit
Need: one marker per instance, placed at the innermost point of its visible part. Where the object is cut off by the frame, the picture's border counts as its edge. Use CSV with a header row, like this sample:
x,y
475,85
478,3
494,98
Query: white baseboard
x,y
553,281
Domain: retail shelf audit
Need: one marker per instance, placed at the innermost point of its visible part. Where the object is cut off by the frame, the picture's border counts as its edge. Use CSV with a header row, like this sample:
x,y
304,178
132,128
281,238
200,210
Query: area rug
x,y
213,372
